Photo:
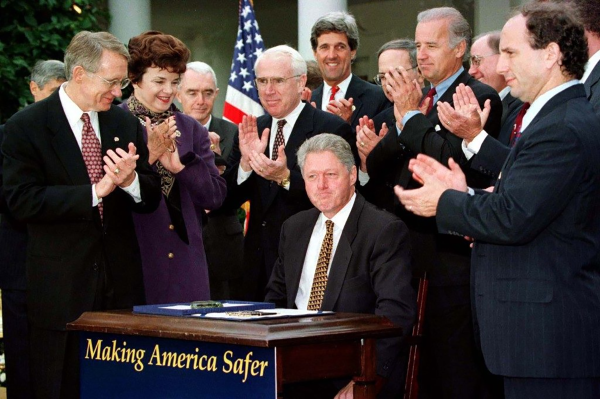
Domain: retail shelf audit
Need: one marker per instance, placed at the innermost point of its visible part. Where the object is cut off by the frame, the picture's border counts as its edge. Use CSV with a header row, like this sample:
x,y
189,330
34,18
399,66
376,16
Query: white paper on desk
x,y
188,307
268,314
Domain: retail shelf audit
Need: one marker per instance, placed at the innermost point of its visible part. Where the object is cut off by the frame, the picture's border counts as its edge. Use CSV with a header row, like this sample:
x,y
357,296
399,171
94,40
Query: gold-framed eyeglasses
x,y
261,83
476,59
380,77
112,83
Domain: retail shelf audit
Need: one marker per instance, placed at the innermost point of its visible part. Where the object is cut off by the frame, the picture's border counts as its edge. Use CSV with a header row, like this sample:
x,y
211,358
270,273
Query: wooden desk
x,y
306,348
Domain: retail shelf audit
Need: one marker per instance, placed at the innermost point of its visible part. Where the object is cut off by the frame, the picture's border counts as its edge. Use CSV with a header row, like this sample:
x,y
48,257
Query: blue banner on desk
x,y
124,366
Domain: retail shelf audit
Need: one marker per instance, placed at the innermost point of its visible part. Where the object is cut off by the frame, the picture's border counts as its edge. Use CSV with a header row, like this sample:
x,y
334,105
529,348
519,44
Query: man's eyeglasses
x,y
113,83
380,77
476,59
261,83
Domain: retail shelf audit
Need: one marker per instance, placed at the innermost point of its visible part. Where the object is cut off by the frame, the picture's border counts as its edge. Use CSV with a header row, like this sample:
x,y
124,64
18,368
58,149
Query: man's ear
x,y
33,88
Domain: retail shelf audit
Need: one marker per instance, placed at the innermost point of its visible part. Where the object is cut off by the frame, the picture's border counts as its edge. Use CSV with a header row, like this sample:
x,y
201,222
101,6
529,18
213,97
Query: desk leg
x,y
364,384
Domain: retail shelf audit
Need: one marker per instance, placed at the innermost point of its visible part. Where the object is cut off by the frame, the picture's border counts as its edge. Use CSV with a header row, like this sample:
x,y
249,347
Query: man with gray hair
x,y
75,168
367,270
223,232
442,38
46,77
263,162
334,40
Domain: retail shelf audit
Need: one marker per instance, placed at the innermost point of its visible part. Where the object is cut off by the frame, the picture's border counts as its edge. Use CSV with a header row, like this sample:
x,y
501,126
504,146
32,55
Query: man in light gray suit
x,y
223,233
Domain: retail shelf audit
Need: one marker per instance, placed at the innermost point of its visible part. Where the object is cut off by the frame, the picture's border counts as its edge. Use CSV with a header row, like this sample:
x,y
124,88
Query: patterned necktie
x,y
320,279
432,92
92,154
516,132
279,140
334,90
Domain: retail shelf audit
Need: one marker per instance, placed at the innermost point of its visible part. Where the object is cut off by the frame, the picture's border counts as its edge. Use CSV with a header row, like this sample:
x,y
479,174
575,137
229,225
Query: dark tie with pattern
x,y
334,90
516,132
92,154
320,280
432,92
279,140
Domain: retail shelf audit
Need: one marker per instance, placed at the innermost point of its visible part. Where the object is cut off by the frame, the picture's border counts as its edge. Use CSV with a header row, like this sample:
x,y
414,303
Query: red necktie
x,y
334,90
516,132
92,154
279,140
429,96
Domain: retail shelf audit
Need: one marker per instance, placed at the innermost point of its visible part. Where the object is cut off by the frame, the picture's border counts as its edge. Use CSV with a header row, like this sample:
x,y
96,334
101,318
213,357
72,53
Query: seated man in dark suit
x,y
222,233
263,162
334,40
346,255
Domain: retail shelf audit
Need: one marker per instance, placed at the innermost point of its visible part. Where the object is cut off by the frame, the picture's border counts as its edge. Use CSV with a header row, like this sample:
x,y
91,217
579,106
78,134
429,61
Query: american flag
x,y
242,96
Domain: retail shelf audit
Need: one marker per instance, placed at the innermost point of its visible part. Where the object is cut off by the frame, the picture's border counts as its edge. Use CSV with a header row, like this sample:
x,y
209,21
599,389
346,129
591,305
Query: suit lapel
x,y
355,92
317,96
64,142
297,254
109,133
592,81
342,257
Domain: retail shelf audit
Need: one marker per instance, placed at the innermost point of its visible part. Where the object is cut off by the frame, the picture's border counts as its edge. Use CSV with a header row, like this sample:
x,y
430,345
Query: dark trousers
x,y
54,363
551,388
16,344
451,365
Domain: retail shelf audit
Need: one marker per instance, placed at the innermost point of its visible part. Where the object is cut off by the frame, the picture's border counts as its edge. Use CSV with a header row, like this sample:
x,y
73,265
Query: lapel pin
x,y
353,107
437,128
116,139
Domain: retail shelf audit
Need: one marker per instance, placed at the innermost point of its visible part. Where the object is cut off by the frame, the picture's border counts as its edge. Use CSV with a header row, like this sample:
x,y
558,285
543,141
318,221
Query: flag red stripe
x,y
233,113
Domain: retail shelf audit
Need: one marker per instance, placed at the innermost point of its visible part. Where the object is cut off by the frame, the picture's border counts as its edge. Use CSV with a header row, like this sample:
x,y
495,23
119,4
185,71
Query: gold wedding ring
x,y
362,143
117,170
212,147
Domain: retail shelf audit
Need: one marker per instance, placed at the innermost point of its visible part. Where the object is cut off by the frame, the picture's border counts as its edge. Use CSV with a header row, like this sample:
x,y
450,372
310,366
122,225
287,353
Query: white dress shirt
x,y
339,95
590,65
73,114
314,248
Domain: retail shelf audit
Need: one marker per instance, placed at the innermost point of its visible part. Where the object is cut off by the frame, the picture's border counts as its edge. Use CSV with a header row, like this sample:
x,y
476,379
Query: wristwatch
x,y
285,183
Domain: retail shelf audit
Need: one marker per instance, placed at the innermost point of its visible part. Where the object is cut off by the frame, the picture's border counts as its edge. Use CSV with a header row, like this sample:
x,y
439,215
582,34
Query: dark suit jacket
x,y
370,271
47,186
13,241
223,234
227,131
536,259
493,152
444,258
592,88
270,204
368,99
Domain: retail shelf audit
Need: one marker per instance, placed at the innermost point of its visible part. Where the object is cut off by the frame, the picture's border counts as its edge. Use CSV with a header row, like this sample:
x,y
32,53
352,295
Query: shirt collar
x,y
343,85
292,117
539,102
339,219
72,110
590,65
441,88
504,92
207,126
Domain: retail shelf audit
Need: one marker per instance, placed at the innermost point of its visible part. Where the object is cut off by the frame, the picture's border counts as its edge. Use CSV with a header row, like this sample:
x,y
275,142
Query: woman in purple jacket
x,y
170,238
